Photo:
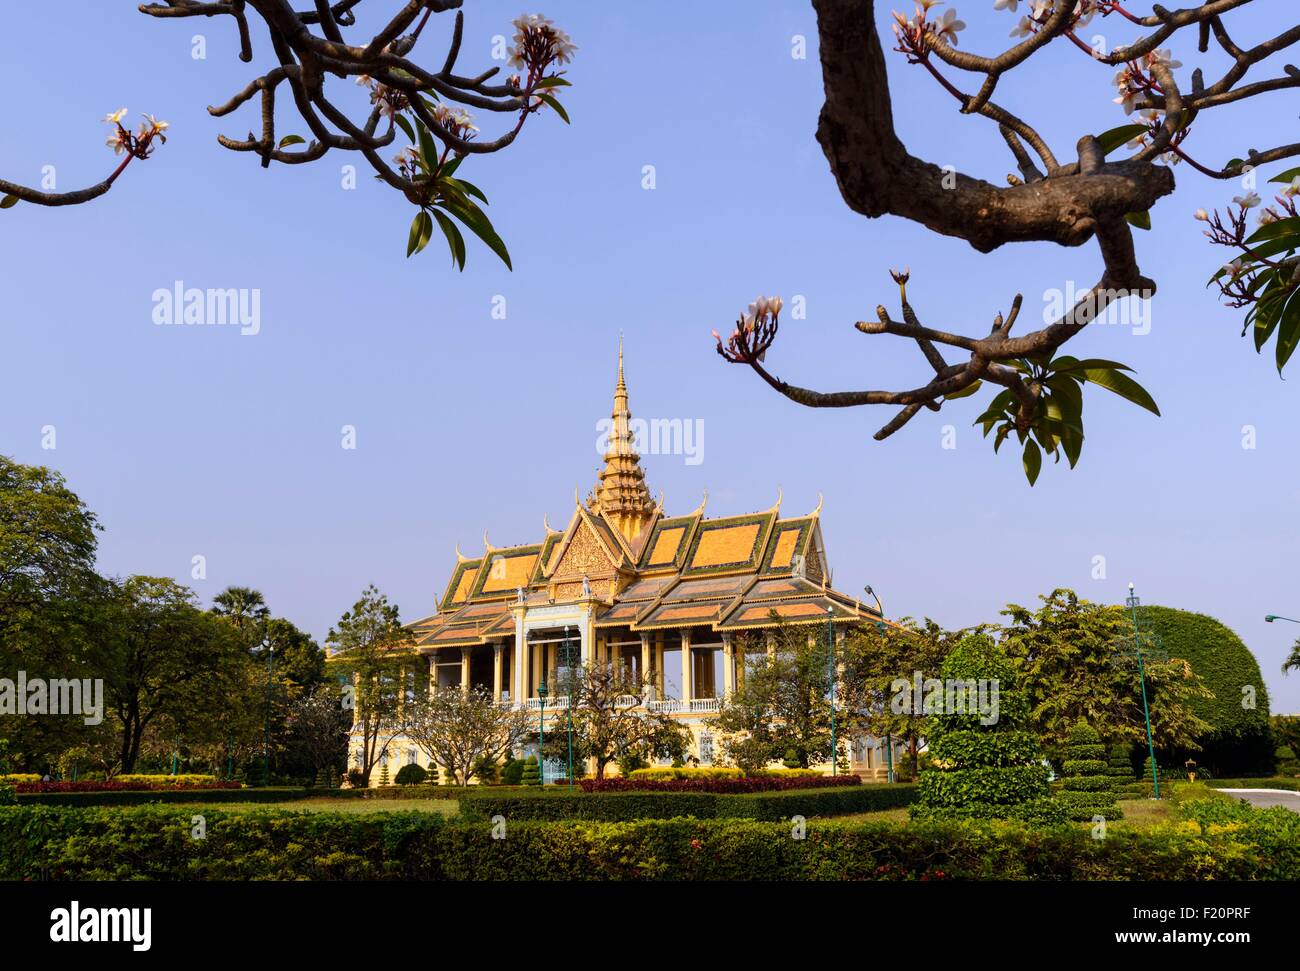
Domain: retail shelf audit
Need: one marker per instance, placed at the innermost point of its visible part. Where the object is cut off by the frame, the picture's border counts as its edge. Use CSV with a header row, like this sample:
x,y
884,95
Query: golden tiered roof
x,y
643,569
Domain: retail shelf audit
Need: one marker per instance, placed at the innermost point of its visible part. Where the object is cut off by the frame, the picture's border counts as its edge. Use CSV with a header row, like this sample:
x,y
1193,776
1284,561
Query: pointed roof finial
x,y
818,510
622,385
621,495
460,557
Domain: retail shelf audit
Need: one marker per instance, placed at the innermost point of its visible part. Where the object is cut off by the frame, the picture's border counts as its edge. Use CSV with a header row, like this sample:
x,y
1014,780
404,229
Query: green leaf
x,y
455,241
405,125
1288,176
965,392
1283,227
428,148
288,140
421,231
1003,432
8,202
466,187
1124,386
1142,220
548,99
479,224
1288,334
1113,139
555,81
1032,460
1072,443
1086,363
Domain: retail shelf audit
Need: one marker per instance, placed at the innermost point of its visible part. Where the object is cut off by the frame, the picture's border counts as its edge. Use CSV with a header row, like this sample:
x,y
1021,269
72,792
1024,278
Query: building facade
x,y
672,598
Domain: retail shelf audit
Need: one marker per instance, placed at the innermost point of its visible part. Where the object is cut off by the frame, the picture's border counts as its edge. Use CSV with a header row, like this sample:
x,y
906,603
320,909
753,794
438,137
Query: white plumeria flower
x,y
1164,57
1202,215
152,126
116,117
1006,5
1267,216
1294,188
949,25
1022,29
1249,201
1235,267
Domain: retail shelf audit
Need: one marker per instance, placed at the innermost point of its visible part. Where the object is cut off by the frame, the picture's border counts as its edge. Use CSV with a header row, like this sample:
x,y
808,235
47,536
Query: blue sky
x,y
200,441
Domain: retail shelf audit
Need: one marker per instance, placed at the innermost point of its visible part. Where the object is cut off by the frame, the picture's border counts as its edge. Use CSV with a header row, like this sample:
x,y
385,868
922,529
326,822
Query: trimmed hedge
x,y
625,806
723,784
1273,782
268,794
1217,841
1239,740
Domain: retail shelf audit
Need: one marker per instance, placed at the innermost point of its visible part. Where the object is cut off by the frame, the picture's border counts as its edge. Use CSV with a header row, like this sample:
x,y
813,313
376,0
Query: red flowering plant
x,y
753,783
115,786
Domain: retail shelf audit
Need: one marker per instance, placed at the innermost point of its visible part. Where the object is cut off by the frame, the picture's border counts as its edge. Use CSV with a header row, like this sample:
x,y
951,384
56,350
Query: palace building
x,y
670,597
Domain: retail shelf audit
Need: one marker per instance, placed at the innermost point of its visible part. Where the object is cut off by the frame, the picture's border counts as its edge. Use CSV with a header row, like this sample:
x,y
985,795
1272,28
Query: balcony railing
x,y
705,705
552,704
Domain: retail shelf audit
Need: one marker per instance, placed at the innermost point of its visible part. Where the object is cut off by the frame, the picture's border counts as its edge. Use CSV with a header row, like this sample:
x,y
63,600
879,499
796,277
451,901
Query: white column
x,y
728,666
646,667
686,666
519,662
464,669
496,672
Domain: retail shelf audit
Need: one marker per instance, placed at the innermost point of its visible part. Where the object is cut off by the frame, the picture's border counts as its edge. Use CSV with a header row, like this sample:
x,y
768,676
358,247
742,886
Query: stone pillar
x,y
519,663
587,641
433,673
728,666
686,666
496,672
659,664
771,644
464,669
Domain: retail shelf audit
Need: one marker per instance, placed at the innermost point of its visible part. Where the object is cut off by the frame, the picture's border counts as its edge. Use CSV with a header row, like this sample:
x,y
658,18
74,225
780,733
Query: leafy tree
x,y
1065,653
874,664
1292,663
781,704
165,660
411,775
461,729
318,726
1092,198
370,649
605,727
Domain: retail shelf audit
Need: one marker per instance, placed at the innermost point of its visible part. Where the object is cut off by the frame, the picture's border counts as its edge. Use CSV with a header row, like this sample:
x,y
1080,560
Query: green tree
x,y
245,608
1066,654
460,730
605,726
371,649
877,665
166,661
781,704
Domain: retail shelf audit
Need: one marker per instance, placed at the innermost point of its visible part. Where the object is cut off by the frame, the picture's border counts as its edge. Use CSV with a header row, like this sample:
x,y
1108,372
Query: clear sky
x,y
205,442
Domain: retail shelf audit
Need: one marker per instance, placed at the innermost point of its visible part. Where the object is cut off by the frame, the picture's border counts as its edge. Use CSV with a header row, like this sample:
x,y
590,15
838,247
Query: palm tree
x,y
1292,662
242,606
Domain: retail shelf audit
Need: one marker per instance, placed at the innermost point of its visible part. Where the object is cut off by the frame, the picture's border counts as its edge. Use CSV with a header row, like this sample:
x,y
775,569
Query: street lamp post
x,y
541,734
1272,617
266,737
1132,604
830,673
889,734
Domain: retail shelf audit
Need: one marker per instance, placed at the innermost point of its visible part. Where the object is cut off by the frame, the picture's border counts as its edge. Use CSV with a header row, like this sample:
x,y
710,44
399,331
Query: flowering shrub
x,y
120,785
725,784
660,773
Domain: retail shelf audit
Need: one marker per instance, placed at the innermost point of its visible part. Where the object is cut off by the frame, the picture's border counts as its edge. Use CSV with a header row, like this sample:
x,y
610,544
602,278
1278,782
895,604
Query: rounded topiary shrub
x,y
411,775
1119,766
1087,790
532,775
1239,741
512,773
983,764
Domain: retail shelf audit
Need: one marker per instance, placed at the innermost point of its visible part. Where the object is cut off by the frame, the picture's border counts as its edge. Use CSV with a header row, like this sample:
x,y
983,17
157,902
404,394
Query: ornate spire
x,y
621,495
